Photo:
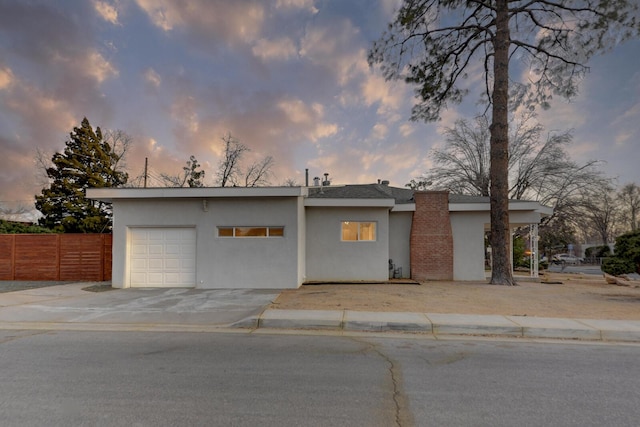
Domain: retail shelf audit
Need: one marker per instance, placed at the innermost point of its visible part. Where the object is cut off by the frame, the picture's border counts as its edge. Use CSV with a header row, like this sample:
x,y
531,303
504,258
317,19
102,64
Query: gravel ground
x,y
576,296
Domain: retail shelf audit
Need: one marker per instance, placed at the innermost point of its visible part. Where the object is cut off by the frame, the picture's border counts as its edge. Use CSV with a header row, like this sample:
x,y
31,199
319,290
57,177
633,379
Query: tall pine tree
x,y
436,44
87,162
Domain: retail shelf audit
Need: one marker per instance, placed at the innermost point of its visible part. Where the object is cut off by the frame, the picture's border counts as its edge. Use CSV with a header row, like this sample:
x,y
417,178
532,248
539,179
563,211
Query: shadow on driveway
x,y
22,285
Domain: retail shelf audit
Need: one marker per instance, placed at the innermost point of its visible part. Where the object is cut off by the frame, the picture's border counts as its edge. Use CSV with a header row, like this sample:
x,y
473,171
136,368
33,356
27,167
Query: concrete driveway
x,y
69,304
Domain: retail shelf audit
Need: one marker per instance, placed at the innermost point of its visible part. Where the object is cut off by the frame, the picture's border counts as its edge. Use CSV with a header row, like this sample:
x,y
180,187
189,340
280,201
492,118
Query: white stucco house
x,y
282,237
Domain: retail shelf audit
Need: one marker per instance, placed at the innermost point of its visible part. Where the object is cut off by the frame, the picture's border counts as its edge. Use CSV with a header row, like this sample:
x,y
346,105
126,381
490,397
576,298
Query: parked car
x,y
566,259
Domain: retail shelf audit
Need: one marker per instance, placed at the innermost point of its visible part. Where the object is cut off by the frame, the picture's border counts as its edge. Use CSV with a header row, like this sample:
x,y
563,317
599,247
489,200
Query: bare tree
x,y
258,173
629,198
120,143
230,171
42,162
540,169
431,44
601,212
462,165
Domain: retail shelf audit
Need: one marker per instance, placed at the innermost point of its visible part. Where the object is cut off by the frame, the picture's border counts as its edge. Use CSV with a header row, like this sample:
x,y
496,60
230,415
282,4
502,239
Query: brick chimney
x,y
431,237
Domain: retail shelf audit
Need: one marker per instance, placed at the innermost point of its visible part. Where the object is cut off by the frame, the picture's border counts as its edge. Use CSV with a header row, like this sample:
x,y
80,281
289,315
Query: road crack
x,y
402,416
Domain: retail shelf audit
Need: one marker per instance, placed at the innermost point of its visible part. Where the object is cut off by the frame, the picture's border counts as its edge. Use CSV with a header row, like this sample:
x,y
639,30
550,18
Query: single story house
x,y
282,237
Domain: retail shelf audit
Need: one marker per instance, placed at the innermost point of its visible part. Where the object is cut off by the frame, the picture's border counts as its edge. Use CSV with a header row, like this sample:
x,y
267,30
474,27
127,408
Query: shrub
x,y
616,266
598,251
627,255
10,227
519,259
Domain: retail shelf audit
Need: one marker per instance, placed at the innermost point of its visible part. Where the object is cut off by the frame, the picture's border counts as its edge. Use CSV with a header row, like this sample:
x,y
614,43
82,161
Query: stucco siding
x,y
328,258
468,244
399,238
522,218
302,238
249,262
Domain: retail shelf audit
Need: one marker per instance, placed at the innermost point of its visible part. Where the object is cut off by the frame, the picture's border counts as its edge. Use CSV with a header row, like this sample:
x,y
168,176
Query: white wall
x,y
468,244
400,241
302,237
221,262
468,240
330,259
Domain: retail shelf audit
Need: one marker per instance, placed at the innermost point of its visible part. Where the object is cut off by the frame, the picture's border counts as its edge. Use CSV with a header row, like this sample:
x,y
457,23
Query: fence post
x,y
102,239
13,257
58,249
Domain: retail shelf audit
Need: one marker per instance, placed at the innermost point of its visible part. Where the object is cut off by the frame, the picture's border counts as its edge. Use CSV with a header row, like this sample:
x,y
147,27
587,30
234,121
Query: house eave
x,y
373,203
110,194
514,206
404,207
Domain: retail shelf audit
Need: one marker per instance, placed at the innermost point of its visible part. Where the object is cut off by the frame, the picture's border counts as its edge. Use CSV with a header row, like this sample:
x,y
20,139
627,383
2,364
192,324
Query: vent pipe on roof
x,y
326,180
316,181
306,177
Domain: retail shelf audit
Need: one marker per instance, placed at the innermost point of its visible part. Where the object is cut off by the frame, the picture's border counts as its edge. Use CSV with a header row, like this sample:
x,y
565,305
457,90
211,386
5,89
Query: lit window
x,y
250,231
276,231
225,231
358,231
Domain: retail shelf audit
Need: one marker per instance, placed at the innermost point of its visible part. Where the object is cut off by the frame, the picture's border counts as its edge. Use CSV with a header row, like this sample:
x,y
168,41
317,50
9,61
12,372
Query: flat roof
x,y
110,194
359,195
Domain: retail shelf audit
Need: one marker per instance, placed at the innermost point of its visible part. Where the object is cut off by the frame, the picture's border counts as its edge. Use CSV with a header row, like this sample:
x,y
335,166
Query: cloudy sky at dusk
x,y
288,78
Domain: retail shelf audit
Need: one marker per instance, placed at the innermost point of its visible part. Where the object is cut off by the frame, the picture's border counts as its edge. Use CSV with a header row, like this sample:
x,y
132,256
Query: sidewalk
x,y
69,307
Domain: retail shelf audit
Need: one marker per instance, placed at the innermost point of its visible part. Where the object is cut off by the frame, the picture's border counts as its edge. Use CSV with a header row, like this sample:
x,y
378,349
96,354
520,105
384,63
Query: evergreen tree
x,y
194,175
87,162
191,176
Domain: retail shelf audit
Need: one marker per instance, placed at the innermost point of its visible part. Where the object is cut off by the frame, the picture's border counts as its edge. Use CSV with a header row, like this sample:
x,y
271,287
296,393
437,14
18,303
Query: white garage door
x,y
162,257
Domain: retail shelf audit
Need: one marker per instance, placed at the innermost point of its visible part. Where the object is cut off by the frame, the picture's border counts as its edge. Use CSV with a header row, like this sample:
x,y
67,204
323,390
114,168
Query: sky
x,y
287,78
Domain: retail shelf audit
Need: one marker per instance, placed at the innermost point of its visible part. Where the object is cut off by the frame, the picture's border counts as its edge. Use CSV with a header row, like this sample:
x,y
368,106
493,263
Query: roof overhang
x,y
110,194
404,207
514,206
355,203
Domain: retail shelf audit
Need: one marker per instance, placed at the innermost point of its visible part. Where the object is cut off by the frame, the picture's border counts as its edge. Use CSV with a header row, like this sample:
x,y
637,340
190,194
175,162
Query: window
x,y
358,231
250,231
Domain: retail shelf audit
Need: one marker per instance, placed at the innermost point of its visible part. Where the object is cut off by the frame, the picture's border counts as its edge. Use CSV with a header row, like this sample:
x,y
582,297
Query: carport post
x,y
533,243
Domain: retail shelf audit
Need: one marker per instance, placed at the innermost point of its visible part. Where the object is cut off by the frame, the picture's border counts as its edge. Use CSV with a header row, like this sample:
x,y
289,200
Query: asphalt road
x,y
576,268
168,379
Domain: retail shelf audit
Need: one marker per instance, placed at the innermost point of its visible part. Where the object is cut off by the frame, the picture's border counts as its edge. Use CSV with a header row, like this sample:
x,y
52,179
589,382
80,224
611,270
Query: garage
x,y
162,257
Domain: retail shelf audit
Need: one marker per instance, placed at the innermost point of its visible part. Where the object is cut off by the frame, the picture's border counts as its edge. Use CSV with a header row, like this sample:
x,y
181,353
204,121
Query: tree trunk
x,y
501,271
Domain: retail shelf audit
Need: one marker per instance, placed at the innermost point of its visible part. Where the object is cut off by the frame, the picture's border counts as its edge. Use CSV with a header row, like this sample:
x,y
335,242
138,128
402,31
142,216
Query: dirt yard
x,y
564,295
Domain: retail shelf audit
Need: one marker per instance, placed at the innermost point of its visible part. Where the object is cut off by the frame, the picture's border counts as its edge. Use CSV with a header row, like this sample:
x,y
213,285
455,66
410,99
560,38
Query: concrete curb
x,y
453,324
348,321
119,327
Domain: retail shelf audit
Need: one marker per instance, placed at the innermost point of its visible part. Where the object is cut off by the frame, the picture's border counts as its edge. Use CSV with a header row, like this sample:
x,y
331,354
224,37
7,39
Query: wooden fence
x,y
64,257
